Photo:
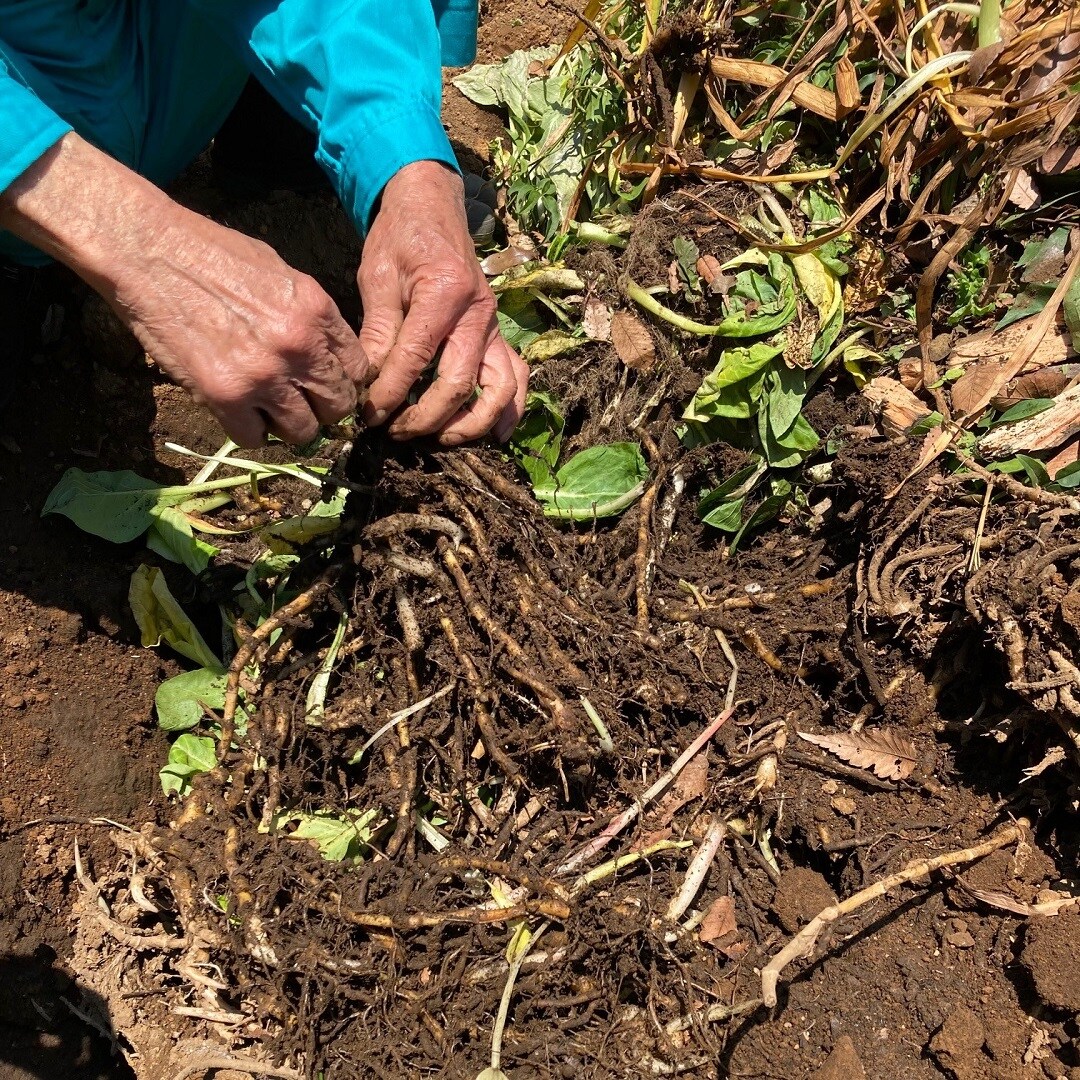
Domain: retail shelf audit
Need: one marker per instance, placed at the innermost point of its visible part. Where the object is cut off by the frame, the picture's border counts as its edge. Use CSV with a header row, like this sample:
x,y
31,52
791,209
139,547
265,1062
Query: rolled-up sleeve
x,y
28,127
365,75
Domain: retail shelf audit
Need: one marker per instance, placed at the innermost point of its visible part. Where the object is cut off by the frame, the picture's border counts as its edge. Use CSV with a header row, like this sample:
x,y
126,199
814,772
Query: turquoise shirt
x,y
150,81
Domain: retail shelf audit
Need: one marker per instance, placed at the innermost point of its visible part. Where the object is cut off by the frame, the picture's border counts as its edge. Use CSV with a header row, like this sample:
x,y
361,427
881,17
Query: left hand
x,y
422,291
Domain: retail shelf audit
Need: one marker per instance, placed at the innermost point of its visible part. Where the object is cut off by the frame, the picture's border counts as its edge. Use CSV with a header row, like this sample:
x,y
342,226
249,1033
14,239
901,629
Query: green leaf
x,y
738,365
171,536
337,836
161,618
179,701
1068,477
597,482
725,516
766,511
1035,469
190,754
114,505
520,321
1023,409
537,440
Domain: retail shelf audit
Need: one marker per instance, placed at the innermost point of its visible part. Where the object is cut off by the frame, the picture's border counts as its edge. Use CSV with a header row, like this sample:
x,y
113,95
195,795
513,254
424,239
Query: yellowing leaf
x,y
820,284
161,618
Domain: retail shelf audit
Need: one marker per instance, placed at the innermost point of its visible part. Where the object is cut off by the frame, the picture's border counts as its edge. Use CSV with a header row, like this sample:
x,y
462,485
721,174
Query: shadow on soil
x,y
50,1027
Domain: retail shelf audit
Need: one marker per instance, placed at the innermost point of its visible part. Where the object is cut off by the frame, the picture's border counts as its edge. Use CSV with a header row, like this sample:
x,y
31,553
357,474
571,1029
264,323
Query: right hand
x,y
257,342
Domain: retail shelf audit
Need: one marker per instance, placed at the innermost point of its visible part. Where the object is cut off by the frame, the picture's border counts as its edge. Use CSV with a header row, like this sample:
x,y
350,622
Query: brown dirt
x,y
923,983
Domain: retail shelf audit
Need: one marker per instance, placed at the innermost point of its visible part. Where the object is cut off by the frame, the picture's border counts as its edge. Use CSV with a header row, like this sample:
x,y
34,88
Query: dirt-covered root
x,y
513,705
951,564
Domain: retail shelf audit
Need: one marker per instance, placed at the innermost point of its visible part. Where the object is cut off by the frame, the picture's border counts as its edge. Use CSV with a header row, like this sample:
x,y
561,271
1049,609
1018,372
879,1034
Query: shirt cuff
x,y
380,150
29,128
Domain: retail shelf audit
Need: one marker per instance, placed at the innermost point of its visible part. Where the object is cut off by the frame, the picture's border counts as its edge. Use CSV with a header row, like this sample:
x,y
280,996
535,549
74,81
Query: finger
x,y
466,343
331,398
435,317
246,427
289,416
346,349
513,412
497,380
384,312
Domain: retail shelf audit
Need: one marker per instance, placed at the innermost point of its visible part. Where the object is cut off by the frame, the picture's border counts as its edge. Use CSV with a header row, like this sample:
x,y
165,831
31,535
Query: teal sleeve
x,y
365,75
28,127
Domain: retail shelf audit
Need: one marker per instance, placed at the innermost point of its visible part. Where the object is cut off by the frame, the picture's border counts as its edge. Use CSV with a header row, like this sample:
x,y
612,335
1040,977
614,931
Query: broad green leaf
x,y
597,482
114,505
171,536
725,515
161,618
337,836
737,365
786,389
179,701
190,754
520,321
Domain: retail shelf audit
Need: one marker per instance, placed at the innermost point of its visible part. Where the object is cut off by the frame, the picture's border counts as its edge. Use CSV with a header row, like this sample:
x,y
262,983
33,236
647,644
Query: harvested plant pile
x,y
497,776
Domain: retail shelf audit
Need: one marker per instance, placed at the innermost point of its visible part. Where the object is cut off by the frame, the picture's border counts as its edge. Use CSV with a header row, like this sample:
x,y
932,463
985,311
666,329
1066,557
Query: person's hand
x,y
425,296
259,343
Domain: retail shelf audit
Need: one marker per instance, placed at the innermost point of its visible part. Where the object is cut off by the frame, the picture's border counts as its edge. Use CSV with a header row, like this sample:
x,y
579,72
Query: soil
x,y
928,981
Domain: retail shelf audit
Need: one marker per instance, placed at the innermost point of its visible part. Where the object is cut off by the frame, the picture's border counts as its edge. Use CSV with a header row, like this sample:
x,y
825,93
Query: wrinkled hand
x,y
423,291
259,343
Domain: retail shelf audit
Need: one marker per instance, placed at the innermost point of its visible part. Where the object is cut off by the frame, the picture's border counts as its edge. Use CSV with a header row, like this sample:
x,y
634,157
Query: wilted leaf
x,y
970,389
889,754
161,618
550,344
1066,458
719,920
171,536
991,346
633,341
499,262
545,278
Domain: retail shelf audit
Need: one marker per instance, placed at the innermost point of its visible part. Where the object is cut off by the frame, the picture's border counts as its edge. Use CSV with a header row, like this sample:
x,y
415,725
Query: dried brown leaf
x,y
991,346
719,920
1043,431
1047,383
970,388
690,784
596,319
890,755
897,406
847,85
633,341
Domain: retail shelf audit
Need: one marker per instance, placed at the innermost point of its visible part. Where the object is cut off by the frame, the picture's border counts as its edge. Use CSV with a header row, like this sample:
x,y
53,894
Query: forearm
x,y
85,210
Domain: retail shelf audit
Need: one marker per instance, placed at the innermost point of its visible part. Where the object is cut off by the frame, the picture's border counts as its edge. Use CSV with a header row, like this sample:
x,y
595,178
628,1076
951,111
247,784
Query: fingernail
x,y
452,440
378,416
